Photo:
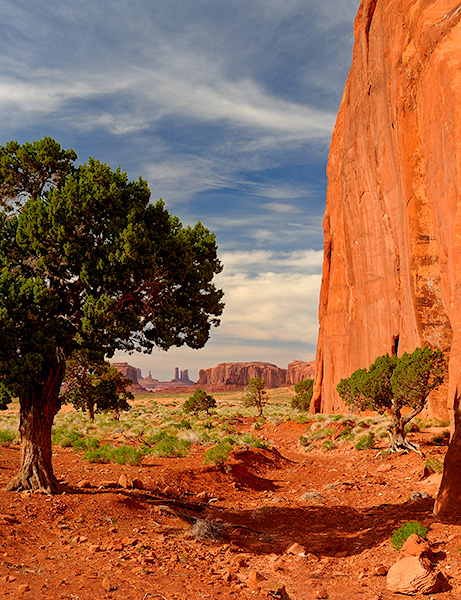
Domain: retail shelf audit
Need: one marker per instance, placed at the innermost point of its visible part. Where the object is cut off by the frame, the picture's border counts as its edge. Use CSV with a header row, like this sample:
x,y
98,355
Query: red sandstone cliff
x,y
392,227
132,373
233,376
299,370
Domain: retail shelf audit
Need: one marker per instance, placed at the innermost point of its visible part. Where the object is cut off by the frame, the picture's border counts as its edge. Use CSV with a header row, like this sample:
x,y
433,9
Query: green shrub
x,y
166,445
219,454
183,424
61,436
6,437
304,440
302,400
89,443
328,445
365,442
199,401
401,534
121,455
320,434
346,434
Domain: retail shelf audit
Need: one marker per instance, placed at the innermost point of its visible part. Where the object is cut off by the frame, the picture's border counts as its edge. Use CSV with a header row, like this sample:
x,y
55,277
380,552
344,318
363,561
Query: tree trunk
x,y
38,407
398,441
91,411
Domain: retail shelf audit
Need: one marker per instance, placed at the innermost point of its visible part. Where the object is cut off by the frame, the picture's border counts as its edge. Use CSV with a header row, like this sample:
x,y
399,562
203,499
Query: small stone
x,y
106,584
341,554
94,548
384,468
82,539
380,570
124,482
83,483
254,580
415,545
169,491
296,549
138,484
23,588
272,588
320,593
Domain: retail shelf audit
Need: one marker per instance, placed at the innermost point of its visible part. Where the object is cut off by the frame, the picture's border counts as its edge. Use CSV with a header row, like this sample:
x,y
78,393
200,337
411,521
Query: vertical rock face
x,y
299,370
232,376
392,227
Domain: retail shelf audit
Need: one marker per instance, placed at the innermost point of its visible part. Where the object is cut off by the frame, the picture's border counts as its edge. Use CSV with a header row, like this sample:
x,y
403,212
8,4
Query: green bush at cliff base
x,y
400,535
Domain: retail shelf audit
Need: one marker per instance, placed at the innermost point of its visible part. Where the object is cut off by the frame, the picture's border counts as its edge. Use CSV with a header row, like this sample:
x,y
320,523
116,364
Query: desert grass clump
x,y
400,535
206,529
86,443
6,437
434,464
219,454
365,442
121,455
64,437
167,445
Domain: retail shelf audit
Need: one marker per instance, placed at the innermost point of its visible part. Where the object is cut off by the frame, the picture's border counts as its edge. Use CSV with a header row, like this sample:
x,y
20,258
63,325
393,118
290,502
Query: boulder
x,y
412,575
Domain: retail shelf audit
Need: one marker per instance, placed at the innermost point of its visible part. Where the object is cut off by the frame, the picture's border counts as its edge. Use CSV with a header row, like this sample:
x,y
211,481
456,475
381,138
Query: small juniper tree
x,y
256,395
393,383
198,402
304,390
95,386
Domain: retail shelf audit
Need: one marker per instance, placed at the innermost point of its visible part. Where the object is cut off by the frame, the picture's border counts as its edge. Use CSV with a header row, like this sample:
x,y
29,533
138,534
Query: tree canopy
x,y
88,263
392,383
256,394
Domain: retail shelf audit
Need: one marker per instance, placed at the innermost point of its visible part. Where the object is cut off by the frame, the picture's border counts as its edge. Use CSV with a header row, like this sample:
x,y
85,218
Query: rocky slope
x,y
392,225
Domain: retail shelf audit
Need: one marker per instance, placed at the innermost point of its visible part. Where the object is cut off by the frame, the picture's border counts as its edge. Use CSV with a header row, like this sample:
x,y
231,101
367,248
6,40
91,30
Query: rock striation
x,y
235,376
392,226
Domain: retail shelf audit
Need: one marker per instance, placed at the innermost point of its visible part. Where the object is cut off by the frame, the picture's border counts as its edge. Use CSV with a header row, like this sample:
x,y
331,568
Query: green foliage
x,y
167,445
320,434
6,437
255,395
199,401
87,443
391,383
401,534
88,263
219,454
365,442
64,437
95,386
328,445
121,455
302,400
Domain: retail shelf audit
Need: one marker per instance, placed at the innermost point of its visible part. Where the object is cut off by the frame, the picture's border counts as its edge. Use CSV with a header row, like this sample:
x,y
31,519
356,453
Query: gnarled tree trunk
x,y
38,407
398,441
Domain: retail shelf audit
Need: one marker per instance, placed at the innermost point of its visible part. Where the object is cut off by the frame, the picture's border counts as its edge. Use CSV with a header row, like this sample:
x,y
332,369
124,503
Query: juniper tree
x,y
392,384
87,263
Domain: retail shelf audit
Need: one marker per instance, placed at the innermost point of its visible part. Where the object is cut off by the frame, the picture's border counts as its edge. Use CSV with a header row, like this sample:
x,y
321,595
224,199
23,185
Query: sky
x,y
227,110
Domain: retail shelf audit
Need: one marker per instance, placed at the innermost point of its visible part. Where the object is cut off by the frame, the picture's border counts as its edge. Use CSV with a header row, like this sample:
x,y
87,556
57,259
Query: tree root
x,y
405,446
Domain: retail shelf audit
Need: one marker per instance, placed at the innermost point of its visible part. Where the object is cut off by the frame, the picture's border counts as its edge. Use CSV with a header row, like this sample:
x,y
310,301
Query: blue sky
x,y
227,109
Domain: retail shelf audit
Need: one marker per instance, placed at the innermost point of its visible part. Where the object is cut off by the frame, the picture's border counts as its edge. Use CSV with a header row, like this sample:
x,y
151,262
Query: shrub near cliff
x,y
87,263
393,383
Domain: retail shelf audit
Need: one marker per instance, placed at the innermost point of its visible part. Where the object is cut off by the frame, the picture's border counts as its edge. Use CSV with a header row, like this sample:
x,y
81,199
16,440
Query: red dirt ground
x,y
97,541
